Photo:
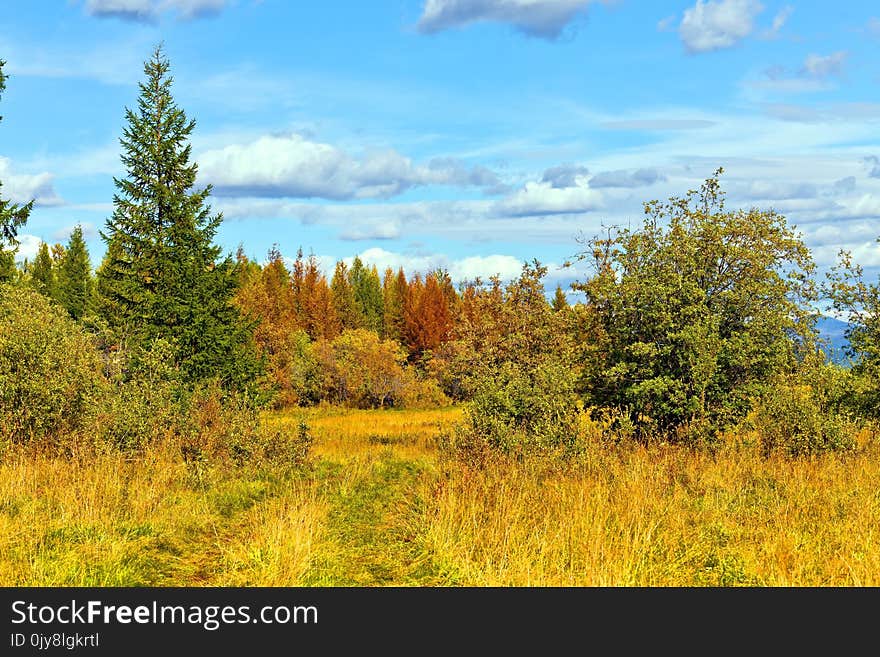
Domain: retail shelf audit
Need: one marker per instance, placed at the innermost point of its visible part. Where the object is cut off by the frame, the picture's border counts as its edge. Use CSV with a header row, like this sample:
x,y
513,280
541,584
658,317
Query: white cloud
x,y
150,10
293,166
539,18
463,269
22,188
384,230
565,175
717,24
28,245
88,229
779,22
542,198
820,66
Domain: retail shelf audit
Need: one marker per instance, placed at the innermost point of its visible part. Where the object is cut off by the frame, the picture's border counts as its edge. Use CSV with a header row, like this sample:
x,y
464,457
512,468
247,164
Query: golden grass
x,y
380,506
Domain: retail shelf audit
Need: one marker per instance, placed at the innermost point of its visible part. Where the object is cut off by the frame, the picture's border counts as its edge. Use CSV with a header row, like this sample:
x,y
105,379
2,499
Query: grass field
x,y
379,505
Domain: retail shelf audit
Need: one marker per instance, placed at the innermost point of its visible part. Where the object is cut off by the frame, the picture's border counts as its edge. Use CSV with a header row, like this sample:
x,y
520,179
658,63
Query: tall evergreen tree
x,y
343,298
560,303
367,292
163,276
75,276
42,273
12,217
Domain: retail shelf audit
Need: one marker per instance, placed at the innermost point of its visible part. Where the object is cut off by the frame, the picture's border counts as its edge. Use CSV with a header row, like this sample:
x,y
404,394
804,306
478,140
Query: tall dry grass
x,y
381,505
659,517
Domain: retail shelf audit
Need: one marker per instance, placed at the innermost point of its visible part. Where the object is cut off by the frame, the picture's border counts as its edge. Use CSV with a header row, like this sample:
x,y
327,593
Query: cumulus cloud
x,y
542,198
627,179
151,10
564,175
385,230
717,24
538,18
823,66
293,166
873,164
462,269
23,188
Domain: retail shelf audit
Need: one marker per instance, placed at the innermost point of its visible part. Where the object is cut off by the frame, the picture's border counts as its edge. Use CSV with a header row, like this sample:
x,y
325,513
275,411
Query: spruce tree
x,y
75,276
12,217
163,277
367,295
42,273
342,295
560,303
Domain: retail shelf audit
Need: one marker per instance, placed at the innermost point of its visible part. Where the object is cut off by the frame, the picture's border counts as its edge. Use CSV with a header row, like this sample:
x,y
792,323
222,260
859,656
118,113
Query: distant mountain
x,y
833,332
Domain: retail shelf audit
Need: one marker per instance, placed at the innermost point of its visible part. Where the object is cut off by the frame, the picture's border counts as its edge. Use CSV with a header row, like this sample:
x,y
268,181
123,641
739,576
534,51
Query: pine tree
x,y
560,303
393,293
75,276
367,292
343,299
12,217
163,276
42,273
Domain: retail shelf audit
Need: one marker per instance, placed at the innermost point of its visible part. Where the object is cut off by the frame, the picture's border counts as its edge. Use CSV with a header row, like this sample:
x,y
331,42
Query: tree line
x,y
697,321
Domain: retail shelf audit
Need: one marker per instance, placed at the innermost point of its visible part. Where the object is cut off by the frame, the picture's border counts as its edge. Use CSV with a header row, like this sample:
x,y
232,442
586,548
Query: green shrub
x,y
51,375
522,409
797,419
146,401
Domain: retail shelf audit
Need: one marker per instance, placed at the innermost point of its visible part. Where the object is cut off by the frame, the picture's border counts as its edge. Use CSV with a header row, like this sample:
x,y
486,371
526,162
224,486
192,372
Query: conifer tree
x,y
560,303
12,217
163,276
367,292
393,294
75,276
343,298
42,273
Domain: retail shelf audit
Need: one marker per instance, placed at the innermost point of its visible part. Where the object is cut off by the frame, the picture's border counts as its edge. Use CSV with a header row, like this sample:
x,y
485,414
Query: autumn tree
x,y
318,314
427,315
691,314
511,355
163,276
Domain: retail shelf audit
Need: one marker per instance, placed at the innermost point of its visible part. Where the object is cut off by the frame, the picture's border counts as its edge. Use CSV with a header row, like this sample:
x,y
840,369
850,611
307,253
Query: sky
x,y
472,135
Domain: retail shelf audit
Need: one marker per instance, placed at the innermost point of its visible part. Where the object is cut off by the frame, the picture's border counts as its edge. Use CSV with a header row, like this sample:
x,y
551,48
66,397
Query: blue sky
x,y
468,134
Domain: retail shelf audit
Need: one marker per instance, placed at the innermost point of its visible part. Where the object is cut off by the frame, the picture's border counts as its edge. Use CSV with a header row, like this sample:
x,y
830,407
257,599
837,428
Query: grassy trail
x,y
367,539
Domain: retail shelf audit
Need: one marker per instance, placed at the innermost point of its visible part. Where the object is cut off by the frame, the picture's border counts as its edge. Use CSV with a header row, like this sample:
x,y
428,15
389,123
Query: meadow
x,y
379,504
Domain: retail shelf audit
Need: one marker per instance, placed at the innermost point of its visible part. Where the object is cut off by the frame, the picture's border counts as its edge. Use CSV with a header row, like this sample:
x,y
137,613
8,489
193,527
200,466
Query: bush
x,y
522,409
50,370
362,371
797,419
146,401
